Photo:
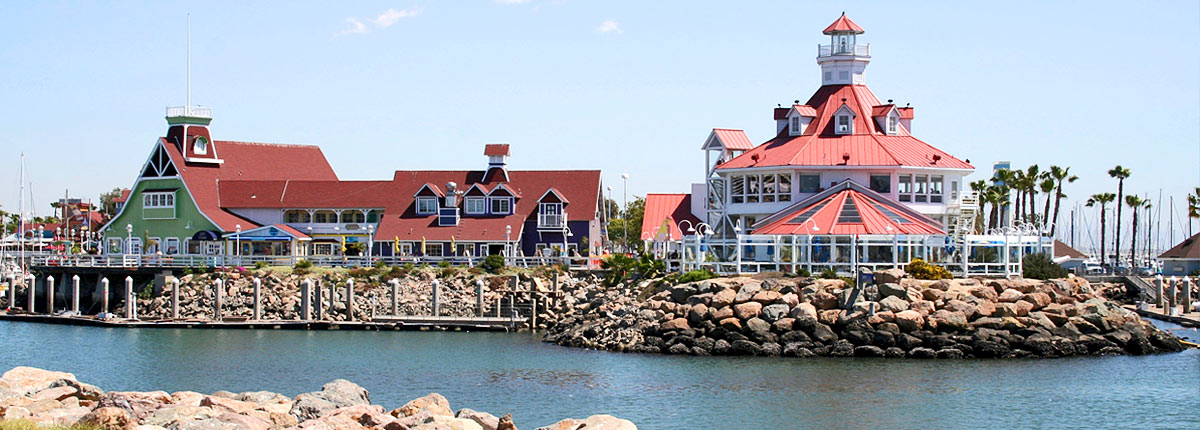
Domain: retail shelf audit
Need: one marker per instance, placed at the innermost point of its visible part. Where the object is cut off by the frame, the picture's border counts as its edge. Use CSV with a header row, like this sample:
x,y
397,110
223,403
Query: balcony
x,y
855,50
552,221
189,112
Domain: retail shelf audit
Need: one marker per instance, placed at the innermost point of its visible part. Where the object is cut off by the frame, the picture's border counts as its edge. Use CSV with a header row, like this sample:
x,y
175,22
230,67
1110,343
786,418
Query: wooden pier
x,y
379,324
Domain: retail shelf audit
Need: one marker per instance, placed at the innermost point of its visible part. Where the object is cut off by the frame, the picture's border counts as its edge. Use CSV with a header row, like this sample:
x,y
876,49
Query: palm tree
x,y
1059,174
1102,199
978,187
1120,173
1004,181
1032,176
1135,204
1194,204
1000,197
1047,185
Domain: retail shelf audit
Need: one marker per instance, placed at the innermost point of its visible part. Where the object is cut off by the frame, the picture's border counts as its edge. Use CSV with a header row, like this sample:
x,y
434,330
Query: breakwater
x,y
50,398
898,318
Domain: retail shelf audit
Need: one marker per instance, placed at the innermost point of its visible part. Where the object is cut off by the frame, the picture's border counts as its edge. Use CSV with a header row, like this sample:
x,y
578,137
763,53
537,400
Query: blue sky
x,y
626,87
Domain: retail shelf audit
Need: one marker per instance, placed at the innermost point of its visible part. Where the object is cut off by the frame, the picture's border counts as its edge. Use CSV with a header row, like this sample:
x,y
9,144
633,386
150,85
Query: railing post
x,y
305,299
75,294
257,299
49,294
129,298
104,295
350,299
479,297
395,283
436,284
218,285
32,293
175,284
374,302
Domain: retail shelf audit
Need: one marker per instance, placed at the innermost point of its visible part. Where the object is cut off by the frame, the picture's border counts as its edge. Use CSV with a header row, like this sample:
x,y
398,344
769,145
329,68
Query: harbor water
x,y
540,383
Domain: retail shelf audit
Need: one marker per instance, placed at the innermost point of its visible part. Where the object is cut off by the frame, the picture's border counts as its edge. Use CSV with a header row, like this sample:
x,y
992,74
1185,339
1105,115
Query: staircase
x,y
962,215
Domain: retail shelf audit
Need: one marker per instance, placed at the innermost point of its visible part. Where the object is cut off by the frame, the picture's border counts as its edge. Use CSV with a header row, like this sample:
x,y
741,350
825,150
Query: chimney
x,y
497,154
451,195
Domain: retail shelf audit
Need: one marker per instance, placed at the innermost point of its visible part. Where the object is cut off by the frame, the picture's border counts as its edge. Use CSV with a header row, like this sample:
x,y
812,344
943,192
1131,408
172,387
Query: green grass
x,y
29,425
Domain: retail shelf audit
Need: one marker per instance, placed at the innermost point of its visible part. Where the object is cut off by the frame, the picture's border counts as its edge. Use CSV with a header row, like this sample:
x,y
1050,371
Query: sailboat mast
x,y
21,217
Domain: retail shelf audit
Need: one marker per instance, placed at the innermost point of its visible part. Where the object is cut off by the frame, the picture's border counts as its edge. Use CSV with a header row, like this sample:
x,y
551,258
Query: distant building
x,y
664,220
199,196
1183,259
1067,257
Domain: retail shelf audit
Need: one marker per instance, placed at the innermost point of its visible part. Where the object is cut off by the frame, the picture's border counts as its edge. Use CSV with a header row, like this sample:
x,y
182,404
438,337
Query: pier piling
x,y
75,294
436,285
319,299
32,286
349,299
104,295
479,297
257,299
1186,300
49,294
1171,292
305,300
12,292
1158,283
395,283
130,306
175,298
218,285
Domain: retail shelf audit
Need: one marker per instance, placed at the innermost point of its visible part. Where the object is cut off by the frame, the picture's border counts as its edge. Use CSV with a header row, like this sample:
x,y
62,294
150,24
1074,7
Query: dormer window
x,y
844,125
500,205
427,205
200,145
476,205
795,125
891,124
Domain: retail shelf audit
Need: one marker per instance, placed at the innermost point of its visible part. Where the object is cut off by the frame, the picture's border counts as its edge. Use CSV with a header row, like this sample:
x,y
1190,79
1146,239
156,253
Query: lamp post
x,y
682,236
309,249
128,238
370,242
508,240
607,216
41,238
237,244
625,217
57,236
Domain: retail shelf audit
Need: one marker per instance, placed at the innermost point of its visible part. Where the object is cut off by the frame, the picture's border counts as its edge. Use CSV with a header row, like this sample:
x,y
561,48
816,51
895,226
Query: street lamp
x,y
237,243
128,238
370,241
508,239
624,218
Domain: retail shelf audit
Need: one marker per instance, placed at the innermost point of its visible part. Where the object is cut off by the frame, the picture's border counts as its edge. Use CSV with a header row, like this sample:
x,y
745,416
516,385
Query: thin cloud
x,y
390,16
356,27
609,27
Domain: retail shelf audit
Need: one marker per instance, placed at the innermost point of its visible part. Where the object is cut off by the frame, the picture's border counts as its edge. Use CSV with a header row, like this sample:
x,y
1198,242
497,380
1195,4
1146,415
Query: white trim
x,y
159,141
431,188
479,199
561,198
508,200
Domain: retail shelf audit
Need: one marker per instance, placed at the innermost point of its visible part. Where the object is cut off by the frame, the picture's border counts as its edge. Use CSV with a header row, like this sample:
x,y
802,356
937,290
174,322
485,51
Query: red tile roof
x,y
123,197
848,208
1189,249
905,112
301,194
1063,250
733,139
881,110
496,149
669,208
843,24
868,146
245,161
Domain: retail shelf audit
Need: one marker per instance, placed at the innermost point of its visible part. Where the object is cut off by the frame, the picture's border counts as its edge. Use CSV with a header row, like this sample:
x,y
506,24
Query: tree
x,y
980,189
1032,176
107,205
1194,204
628,220
1102,200
1120,173
1004,181
1135,204
1060,175
1047,186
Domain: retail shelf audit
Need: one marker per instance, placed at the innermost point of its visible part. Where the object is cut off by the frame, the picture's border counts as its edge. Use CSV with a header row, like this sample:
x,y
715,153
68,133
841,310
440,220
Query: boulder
x,y
758,326
948,320
892,289
227,405
889,276
893,304
732,324
746,293
109,418
720,314
485,420
909,320
774,312
723,298
766,297
1039,300
138,404
747,310
334,395
804,310
824,301
790,299
676,324
22,380
1010,296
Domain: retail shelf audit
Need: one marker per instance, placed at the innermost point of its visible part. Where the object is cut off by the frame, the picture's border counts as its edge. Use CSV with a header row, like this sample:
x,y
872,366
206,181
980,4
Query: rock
x,y
228,405
506,423
773,313
676,324
723,298
948,320
868,351
698,313
892,289
909,320
1006,310
334,395
933,294
485,420
747,310
766,297
56,393
893,304
1039,300
790,299
758,326
825,301
109,418
82,391
804,310
1010,296
138,404
822,333
722,313
22,380
889,276
1024,307
783,325
922,353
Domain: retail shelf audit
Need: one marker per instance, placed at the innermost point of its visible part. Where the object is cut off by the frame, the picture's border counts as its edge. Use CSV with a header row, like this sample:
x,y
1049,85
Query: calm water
x,y
541,383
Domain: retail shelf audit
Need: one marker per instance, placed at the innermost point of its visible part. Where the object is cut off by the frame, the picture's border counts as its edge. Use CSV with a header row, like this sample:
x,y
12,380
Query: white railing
x,y
552,220
856,50
189,111
248,261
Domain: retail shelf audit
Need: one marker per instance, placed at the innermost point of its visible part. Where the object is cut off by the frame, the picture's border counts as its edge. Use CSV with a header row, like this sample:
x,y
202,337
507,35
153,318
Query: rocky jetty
x,y
48,398
898,317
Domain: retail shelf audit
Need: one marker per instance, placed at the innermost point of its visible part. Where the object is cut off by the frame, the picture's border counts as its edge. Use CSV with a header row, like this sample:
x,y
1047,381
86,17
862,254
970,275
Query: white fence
x,y
185,261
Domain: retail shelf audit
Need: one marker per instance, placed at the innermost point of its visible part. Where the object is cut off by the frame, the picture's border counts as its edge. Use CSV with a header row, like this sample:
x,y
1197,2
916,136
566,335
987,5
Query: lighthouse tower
x,y
843,61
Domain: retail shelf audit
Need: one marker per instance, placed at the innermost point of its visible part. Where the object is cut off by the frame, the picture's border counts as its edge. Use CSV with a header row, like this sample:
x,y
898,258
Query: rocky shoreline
x,y
899,318
48,398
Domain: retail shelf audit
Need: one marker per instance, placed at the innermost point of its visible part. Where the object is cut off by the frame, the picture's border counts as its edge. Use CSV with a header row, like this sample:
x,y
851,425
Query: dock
x,y
1186,319
380,323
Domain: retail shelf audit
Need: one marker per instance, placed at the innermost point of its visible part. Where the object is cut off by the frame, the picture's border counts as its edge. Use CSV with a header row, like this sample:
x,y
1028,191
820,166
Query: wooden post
x,y
12,292
436,284
49,294
479,297
374,302
555,290
1171,295
175,284
305,299
129,298
217,287
1158,283
75,294
104,295
533,311
498,298
1186,300
32,284
395,296
350,299
257,299
318,299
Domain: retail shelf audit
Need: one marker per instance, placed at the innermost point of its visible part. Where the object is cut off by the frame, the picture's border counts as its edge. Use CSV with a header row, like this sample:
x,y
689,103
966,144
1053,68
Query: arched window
x,y
200,145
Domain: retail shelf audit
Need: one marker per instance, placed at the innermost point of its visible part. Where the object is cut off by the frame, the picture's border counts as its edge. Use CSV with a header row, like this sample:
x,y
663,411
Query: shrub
x,y
260,265
1040,266
803,273
448,271
828,273
380,264
360,272
444,264
492,263
355,249
919,269
302,267
696,275
622,267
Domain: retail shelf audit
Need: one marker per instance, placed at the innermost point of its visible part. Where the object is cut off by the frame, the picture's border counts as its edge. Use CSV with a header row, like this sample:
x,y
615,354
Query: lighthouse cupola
x,y
843,61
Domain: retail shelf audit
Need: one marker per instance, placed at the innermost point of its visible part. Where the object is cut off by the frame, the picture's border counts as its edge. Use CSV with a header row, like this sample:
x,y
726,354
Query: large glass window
x,y
737,188
766,188
353,216
881,183
752,189
905,188
935,188
158,200
296,216
809,183
325,217
784,187
922,188
426,205
476,205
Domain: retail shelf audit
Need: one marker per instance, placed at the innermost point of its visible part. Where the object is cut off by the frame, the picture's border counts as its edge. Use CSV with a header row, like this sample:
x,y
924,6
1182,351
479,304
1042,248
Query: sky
x,y
626,87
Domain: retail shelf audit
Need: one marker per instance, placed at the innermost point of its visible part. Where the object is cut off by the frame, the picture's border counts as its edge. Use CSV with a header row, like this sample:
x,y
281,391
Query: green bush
x,y
828,273
1040,266
696,275
443,264
361,272
302,267
260,265
622,267
919,269
493,263
803,273
380,264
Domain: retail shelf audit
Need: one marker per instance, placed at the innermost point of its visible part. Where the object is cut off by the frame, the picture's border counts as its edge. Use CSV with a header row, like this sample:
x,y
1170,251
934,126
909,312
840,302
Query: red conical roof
x,y
843,24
